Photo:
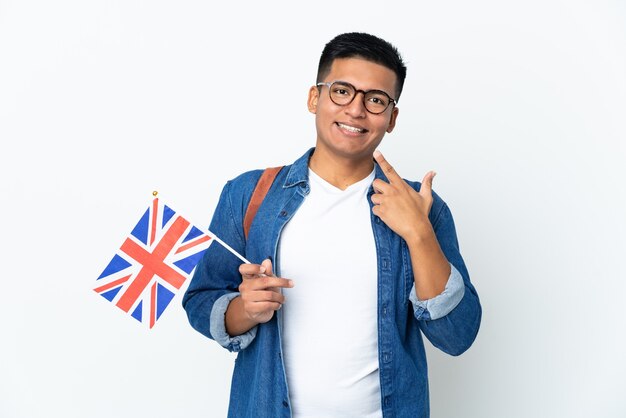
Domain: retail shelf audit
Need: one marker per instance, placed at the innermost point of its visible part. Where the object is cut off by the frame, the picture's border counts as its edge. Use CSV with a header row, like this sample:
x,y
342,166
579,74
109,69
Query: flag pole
x,y
235,253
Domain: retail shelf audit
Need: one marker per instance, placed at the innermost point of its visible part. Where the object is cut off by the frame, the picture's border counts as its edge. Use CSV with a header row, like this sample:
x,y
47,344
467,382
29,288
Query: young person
x,y
351,263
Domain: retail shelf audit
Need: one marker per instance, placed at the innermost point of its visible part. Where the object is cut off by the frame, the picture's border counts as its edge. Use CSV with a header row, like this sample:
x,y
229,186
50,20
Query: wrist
x,y
237,319
421,233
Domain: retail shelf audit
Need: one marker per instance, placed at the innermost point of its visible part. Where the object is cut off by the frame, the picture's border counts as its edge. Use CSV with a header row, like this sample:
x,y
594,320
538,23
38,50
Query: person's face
x,y
351,131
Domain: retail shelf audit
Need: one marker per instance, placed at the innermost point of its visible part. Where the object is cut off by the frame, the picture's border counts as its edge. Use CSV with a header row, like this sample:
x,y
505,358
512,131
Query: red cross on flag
x,y
153,263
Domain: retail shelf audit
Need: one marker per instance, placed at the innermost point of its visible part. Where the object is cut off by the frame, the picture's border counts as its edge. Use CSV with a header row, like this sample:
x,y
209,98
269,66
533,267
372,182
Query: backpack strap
x,y
261,189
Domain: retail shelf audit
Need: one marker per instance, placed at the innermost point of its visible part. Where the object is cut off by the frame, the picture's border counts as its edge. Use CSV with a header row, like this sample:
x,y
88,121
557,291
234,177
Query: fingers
x,y
267,265
380,186
259,277
265,283
255,269
394,178
261,291
427,183
251,269
260,305
389,171
265,297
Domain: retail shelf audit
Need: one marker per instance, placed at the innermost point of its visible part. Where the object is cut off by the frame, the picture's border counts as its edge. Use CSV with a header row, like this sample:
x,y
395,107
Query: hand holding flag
x,y
154,262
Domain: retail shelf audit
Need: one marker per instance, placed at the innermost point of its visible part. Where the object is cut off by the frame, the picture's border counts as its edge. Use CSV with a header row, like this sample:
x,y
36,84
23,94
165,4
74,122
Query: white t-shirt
x,y
330,330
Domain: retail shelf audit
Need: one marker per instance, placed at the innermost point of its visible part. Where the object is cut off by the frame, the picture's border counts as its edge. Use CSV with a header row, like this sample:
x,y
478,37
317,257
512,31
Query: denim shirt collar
x,y
299,171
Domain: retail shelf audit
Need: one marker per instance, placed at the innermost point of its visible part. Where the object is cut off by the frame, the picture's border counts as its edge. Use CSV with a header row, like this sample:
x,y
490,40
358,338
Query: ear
x,y
314,95
392,120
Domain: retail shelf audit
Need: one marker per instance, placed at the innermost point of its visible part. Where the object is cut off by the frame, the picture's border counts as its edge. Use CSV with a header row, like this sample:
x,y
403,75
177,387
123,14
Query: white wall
x,y
520,108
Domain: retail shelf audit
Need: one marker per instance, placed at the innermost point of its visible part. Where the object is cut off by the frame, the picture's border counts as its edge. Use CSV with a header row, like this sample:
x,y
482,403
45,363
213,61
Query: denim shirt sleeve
x,y
442,304
216,278
454,332
218,326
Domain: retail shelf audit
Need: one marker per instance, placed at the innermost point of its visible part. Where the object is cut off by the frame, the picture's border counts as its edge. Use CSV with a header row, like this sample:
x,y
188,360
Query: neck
x,y
338,171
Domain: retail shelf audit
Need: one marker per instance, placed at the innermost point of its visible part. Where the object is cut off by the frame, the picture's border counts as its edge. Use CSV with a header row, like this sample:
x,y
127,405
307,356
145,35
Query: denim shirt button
x,y
386,263
285,404
387,400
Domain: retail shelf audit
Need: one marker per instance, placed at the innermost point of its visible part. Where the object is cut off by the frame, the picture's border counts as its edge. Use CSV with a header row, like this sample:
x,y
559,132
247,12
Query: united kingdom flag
x,y
152,264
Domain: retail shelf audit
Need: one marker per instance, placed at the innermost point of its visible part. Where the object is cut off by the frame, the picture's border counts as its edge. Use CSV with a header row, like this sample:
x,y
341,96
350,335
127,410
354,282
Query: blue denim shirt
x,y
259,388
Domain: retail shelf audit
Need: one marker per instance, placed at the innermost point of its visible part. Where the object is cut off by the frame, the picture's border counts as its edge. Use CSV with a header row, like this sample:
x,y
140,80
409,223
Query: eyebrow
x,y
366,91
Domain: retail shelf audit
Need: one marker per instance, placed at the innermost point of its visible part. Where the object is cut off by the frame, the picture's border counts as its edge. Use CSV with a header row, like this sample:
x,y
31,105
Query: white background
x,y
519,106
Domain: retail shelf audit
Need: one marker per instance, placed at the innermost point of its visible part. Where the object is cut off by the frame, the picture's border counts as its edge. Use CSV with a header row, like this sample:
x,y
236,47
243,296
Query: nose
x,y
356,108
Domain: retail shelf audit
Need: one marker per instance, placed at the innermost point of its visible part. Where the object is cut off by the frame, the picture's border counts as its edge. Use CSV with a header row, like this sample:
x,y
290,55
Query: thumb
x,y
267,264
427,183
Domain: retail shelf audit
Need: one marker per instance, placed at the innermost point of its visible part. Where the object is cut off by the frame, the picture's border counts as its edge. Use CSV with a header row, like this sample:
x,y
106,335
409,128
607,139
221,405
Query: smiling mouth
x,y
351,128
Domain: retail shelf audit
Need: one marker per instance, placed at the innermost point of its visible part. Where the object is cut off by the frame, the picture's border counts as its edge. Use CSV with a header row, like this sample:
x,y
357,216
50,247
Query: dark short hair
x,y
366,46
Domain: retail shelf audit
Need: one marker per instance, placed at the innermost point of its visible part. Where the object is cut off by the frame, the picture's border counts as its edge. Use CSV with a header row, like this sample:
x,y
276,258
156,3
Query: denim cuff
x,y
218,326
442,304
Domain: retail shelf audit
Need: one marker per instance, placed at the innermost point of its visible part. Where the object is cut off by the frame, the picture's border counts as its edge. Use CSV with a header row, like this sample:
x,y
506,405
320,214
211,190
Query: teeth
x,y
350,128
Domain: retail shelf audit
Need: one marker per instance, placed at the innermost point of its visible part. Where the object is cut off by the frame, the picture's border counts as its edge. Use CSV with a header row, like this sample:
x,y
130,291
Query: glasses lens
x,y
376,101
341,93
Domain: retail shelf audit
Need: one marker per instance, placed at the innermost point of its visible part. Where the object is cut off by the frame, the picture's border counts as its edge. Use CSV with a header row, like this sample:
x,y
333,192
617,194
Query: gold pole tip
x,y
155,193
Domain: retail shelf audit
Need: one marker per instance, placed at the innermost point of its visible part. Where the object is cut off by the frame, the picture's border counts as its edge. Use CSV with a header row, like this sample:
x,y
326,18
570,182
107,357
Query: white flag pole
x,y
216,238
235,253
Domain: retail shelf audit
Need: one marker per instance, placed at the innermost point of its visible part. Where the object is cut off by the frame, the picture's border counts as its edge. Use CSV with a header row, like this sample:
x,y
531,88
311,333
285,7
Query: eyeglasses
x,y
342,94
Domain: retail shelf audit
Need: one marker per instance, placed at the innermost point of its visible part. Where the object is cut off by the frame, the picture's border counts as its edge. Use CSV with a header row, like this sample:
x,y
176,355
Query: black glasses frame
x,y
392,101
